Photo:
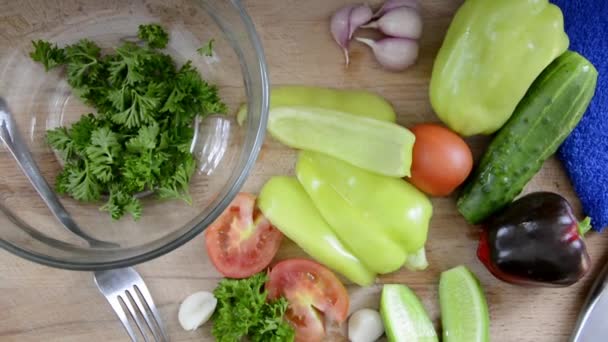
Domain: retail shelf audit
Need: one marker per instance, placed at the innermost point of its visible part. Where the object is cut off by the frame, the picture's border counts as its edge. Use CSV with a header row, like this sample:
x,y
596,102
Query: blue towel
x,y
584,154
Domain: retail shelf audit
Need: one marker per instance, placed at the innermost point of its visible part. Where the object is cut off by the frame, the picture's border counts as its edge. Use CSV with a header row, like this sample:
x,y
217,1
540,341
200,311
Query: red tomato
x,y
441,161
310,289
242,242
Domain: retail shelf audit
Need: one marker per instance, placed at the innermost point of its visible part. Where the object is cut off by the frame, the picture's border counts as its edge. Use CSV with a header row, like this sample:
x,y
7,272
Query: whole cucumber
x,y
546,115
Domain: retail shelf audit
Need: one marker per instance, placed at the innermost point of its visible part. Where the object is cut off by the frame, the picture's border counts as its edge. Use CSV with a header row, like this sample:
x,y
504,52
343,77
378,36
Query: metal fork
x,y
128,295
10,136
120,286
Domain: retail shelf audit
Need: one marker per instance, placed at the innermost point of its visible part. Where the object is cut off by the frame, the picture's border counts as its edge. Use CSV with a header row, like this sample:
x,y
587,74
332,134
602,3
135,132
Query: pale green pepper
x,y
493,51
356,102
285,203
381,219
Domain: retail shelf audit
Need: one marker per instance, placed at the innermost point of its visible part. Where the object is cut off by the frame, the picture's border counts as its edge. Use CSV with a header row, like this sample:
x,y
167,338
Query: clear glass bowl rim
x,y
223,204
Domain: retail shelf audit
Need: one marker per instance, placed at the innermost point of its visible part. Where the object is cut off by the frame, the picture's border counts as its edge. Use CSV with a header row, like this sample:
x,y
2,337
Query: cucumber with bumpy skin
x,y
543,119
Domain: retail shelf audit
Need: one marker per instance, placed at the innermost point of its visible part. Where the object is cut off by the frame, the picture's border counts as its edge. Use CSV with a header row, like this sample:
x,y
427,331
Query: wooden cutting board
x,y
43,304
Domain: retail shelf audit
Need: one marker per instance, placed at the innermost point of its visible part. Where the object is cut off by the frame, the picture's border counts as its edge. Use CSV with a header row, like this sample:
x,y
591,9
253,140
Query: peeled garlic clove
x,y
196,309
365,325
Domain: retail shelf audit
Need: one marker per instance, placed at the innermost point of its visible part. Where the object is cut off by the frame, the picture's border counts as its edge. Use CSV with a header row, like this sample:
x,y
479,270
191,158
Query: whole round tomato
x,y
242,242
441,161
310,289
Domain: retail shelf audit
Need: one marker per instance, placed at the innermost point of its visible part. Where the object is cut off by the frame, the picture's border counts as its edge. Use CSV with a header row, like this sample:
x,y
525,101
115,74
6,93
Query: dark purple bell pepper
x,y
536,241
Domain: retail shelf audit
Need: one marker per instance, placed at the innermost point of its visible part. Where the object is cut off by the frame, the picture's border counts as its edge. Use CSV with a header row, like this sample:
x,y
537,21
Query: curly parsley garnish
x,y
243,311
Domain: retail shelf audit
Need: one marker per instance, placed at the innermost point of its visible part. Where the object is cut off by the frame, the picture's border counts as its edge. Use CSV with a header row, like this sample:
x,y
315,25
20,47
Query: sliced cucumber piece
x,y
464,310
404,317
377,146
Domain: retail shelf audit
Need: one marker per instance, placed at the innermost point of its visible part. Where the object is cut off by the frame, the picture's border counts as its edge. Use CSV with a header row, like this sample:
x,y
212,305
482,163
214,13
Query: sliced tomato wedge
x,y
314,294
242,242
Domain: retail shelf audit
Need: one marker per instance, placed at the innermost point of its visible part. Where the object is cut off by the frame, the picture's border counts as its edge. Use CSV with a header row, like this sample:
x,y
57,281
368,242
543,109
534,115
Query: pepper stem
x,y
584,226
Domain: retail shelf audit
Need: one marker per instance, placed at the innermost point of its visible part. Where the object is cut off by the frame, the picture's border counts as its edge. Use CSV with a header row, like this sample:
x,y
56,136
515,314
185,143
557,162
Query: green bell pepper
x,y
368,212
285,203
356,102
493,51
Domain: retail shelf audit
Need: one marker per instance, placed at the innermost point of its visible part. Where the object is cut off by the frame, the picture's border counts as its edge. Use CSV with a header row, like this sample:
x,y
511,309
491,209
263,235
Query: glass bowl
x,y
40,100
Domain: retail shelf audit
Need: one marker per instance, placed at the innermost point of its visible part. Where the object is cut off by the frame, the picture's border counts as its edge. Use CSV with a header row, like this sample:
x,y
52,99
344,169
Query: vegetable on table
x,y
345,21
140,138
365,325
368,212
417,261
381,147
351,101
242,241
551,109
389,5
394,54
400,22
441,160
493,51
196,310
464,309
244,309
405,318
398,19
314,293
536,241
288,207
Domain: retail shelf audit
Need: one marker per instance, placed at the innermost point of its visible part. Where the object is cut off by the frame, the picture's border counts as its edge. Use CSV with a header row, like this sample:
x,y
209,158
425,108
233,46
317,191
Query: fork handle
x,y
9,134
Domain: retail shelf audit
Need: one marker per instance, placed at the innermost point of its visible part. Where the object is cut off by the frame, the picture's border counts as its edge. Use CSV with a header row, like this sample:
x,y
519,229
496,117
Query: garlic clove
x,y
196,309
365,325
345,21
359,16
339,26
394,54
401,22
392,4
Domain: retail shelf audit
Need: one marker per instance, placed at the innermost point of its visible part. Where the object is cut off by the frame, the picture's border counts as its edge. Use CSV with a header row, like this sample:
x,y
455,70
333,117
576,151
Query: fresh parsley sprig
x,y
243,311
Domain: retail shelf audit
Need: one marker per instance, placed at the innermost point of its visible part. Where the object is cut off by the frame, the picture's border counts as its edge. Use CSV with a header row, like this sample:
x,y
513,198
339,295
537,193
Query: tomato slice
x,y
242,242
312,291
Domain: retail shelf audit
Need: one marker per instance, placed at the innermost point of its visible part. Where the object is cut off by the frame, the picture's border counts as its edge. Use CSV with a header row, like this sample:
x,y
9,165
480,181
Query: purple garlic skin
x,y
345,22
392,4
395,54
401,22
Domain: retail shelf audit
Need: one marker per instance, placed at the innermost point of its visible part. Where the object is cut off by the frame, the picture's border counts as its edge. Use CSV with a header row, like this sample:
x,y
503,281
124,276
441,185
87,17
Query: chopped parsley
x,y
139,139
207,49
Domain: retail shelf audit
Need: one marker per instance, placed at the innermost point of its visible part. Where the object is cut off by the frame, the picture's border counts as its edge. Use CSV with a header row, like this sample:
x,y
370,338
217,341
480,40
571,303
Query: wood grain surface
x,y
38,303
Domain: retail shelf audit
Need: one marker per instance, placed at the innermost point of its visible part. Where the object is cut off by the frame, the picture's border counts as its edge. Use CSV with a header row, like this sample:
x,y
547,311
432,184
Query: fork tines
x,y
128,295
